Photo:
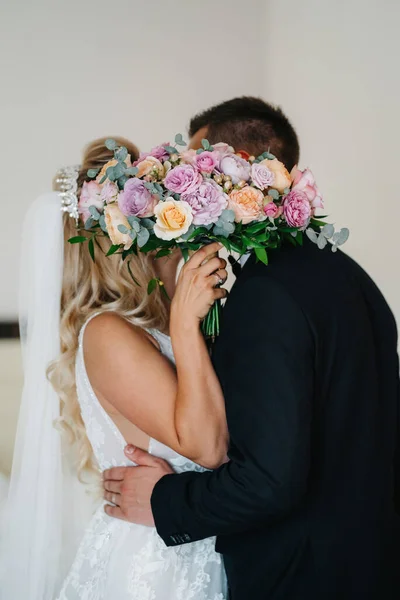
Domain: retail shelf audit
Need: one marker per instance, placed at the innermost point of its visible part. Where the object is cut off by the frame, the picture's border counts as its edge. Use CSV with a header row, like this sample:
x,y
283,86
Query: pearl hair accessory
x,y
67,183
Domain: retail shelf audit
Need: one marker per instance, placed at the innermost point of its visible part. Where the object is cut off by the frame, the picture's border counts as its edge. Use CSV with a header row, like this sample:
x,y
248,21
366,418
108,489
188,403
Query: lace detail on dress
x,y
121,561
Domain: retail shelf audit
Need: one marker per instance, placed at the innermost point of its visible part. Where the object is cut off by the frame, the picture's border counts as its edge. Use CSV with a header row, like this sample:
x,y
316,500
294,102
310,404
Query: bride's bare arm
x,y
184,409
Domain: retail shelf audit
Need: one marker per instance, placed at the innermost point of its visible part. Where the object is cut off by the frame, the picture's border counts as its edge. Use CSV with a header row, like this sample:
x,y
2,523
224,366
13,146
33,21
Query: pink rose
x,y
297,209
262,176
304,181
272,210
207,161
207,202
157,152
90,196
136,200
183,179
109,192
234,166
247,204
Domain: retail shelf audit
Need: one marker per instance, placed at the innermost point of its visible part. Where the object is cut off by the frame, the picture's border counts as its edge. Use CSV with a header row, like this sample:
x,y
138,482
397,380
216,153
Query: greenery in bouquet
x,y
172,198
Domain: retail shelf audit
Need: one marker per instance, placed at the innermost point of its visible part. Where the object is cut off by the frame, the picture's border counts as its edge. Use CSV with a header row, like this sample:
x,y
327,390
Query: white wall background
x,y
334,67
74,70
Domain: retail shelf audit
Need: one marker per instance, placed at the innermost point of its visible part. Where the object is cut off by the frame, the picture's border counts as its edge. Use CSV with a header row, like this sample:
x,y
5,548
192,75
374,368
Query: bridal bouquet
x,y
171,199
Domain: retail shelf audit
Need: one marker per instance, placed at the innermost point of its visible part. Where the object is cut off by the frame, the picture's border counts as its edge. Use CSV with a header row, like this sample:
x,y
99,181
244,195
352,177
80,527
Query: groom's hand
x,y
129,489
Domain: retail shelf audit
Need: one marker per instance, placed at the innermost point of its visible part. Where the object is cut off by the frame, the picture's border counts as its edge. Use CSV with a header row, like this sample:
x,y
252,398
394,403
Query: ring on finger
x,y
114,499
220,281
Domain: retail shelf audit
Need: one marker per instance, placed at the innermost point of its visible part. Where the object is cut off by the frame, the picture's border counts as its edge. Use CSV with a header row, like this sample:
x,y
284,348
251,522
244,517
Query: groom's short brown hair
x,y
250,124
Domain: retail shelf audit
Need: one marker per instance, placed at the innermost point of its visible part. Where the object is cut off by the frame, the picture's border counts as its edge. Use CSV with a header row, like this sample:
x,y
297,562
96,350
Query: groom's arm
x,y
267,372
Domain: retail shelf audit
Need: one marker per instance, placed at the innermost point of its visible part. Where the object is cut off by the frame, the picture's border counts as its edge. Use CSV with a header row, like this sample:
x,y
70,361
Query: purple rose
x,y
297,209
183,179
207,161
207,202
262,176
236,167
157,152
136,200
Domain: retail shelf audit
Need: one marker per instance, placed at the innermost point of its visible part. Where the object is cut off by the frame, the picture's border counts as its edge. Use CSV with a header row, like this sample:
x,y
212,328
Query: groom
x,y
307,508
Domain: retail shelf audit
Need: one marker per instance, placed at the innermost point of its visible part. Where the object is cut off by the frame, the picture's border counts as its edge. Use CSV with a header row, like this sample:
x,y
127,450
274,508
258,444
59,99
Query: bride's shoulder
x,y
113,330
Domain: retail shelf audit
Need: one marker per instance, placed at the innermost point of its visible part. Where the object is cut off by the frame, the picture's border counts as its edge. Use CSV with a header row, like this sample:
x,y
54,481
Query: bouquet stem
x,y
211,323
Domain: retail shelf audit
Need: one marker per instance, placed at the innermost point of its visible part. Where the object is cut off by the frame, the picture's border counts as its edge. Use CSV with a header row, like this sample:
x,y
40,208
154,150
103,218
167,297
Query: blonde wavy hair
x,y
90,287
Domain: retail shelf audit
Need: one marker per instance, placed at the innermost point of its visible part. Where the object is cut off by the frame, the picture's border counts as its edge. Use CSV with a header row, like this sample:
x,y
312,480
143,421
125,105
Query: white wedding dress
x,y
122,561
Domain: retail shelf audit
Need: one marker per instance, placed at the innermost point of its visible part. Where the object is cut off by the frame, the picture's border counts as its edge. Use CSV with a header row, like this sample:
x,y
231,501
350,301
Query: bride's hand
x,y
197,290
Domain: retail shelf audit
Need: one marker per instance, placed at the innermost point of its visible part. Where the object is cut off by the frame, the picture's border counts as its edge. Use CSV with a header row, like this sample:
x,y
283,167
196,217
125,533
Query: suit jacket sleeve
x,y
266,367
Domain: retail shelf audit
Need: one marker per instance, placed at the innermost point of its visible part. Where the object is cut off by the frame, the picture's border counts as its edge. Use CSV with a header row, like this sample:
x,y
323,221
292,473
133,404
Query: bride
x,y
115,379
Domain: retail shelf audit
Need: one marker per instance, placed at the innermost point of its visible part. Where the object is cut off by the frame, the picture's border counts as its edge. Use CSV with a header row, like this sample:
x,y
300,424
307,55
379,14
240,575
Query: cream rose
x,y
282,178
174,218
147,165
114,217
247,204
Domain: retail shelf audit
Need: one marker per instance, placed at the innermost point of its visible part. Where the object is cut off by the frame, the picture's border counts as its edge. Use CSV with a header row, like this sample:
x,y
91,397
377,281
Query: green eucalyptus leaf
x,y
111,144
310,233
110,173
119,170
228,216
94,212
78,239
170,149
179,140
102,223
220,232
273,193
123,229
206,144
121,153
328,230
122,181
131,220
92,173
199,151
143,237
343,236
322,242
148,223
132,171
103,179
133,234
89,223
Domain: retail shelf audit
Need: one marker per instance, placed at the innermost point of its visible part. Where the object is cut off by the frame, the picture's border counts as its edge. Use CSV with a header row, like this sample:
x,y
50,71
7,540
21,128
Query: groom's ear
x,y
195,140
